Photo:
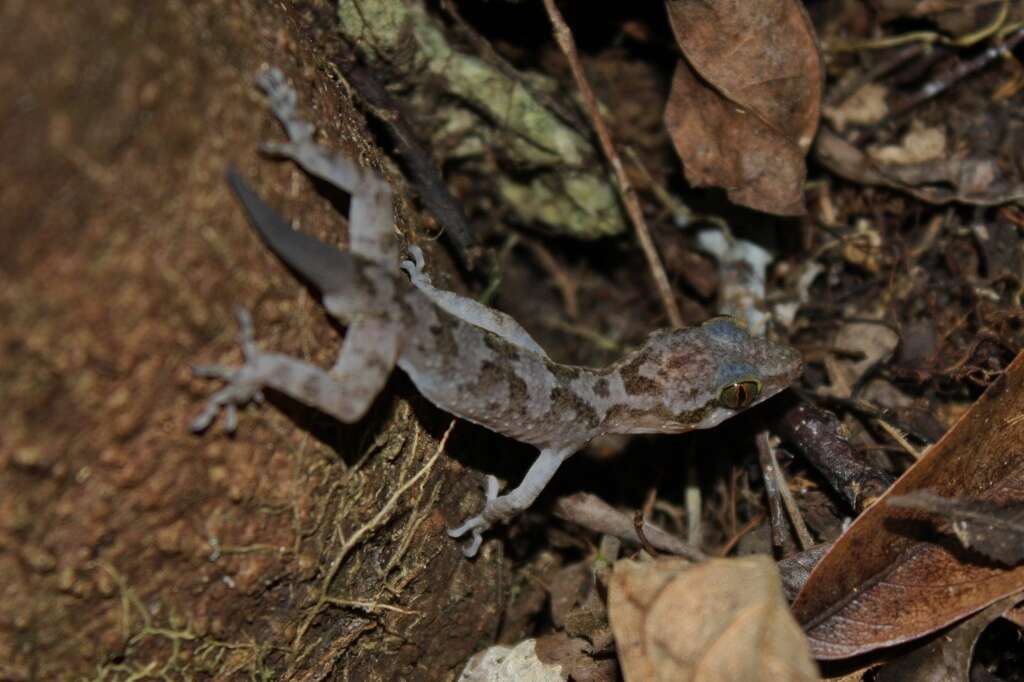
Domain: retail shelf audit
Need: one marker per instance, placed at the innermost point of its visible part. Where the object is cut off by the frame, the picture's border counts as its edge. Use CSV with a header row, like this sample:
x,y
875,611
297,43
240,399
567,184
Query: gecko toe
x,y
202,421
417,254
492,488
243,383
213,372
470,524
470,550
476,526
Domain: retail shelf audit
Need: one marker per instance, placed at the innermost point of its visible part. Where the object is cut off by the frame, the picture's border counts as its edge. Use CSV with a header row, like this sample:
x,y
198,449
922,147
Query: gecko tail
x,y
324,267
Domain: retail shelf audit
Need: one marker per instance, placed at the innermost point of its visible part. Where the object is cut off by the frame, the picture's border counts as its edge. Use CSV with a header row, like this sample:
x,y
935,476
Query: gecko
x,y
468,359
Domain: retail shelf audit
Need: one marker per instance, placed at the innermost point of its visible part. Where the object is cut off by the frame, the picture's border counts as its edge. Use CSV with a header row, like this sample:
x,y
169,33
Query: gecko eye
x,y
739,394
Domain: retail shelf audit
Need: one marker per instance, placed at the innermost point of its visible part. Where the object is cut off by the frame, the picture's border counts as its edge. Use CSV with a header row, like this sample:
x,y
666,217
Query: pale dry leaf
x,y
963,178
517,663
723,620
859,347
866,106
920,144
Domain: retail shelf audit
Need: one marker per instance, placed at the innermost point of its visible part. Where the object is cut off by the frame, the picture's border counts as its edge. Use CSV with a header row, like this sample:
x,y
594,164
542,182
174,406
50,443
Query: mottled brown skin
x,y
472,361
670,384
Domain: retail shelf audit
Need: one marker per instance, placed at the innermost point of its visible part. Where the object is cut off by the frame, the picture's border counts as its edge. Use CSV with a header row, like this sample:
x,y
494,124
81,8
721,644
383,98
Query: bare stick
x,y
591,512
779,489
626,191
771,490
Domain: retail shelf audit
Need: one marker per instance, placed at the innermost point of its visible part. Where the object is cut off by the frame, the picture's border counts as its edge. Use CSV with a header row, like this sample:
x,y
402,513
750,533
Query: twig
x,y
368,606
996,27
816,435
960,71
682,215
626,191
595,514
734,540
432,190
900,438
638,527
797,519
565,283
771,490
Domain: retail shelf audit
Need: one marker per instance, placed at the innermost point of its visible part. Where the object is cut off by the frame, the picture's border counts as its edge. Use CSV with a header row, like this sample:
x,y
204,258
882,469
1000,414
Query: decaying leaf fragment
x,y
990,529
745,102
960,176
717,621
955,17
502,663
891,578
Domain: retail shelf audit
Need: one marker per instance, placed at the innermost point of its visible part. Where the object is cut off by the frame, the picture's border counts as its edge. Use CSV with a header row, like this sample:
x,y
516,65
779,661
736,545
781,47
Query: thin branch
x,y
424,172
771,490
626,191
593,513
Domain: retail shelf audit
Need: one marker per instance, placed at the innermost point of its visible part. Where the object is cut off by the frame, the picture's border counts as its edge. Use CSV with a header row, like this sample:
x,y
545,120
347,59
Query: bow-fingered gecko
x,y
468,359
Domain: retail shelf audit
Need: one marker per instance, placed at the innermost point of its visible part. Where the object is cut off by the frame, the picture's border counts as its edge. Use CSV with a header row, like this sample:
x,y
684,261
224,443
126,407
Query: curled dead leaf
x,y
890,577
745,102
722,620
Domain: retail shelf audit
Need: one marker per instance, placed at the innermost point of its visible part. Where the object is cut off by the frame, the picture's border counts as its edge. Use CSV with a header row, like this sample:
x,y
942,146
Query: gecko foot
x,y
415,267
284,103
244,383
479,523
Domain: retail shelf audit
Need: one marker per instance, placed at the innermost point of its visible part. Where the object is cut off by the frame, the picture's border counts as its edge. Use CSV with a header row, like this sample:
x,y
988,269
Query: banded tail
x,y
325,267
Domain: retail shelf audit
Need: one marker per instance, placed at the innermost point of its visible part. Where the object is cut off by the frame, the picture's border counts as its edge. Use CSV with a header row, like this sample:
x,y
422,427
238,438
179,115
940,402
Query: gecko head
x,y
709,373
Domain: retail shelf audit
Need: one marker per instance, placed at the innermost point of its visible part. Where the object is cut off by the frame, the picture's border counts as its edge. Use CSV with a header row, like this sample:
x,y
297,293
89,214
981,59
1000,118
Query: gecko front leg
x,y
467,309
501,508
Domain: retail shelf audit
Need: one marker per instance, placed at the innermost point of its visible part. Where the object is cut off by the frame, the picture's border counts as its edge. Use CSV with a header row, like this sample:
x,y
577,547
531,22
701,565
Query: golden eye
x,y
740,394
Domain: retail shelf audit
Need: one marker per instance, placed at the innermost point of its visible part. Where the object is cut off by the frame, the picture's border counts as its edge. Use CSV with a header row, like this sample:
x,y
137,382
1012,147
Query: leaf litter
x,y
905,259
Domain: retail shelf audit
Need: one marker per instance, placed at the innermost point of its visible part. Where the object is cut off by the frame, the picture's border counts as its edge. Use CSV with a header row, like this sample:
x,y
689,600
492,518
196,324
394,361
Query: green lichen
x,y
574,196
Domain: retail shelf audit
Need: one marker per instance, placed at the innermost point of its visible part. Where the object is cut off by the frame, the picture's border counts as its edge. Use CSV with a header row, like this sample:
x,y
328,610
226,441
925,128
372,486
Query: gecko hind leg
x,y
370,212
241,388
500,508
345,392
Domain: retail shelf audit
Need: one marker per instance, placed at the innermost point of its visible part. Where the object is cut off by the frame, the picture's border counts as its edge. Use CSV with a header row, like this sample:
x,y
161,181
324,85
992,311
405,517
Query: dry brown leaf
x,y
747,121
966,179
890,578
947,656
723,620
